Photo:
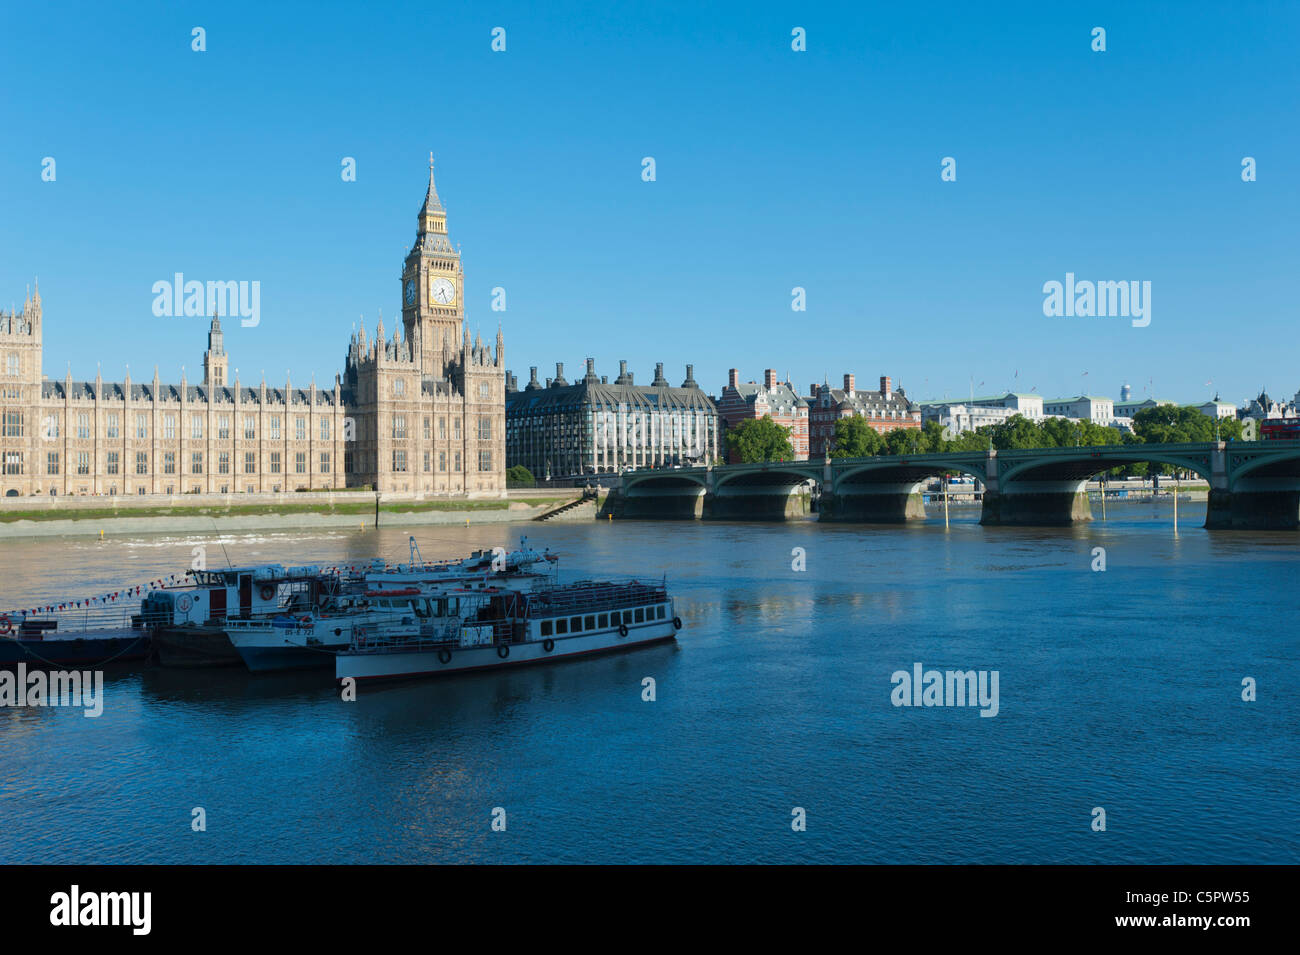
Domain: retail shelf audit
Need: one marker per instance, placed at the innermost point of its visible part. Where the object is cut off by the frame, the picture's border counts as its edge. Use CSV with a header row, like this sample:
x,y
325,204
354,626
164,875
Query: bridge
x,y
1253,485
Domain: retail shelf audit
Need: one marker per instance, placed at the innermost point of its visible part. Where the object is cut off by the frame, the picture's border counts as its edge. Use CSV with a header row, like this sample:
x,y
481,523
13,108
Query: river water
x,y
1118,689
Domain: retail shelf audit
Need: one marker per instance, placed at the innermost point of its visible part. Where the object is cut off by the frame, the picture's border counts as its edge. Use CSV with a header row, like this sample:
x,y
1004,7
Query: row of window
x,y
484,428
112,462
13,426
561,626
112,426
400,464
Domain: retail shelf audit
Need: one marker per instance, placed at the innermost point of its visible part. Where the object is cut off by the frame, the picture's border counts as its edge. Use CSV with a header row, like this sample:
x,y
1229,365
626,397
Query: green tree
x,y
1018,432
520,476
932,439
854,438
1173,424
1229,429
902,441
760,439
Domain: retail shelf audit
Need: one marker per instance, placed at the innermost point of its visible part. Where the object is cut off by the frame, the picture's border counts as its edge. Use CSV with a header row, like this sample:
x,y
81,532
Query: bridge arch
x,y
1244,463
907,469
665,480
1087,463
770,475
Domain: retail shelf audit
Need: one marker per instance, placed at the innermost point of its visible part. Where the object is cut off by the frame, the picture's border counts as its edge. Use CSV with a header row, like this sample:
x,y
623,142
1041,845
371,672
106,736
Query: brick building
x,y
748,400
885,410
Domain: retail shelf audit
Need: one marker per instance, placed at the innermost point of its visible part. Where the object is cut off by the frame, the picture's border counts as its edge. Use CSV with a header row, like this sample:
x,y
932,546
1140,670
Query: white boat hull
x,y
397,662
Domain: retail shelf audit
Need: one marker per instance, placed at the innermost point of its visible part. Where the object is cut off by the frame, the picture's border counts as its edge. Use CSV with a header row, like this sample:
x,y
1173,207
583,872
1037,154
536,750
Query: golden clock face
x,y
442,291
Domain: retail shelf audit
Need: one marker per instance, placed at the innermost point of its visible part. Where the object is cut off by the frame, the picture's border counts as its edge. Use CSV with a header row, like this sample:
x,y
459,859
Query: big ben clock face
x,y
410,291
442,291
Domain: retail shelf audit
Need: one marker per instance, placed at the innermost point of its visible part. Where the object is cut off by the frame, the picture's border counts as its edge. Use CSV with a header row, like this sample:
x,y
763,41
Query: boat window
x,y
640,615
589,623
562,625
604,620
546,628
661,611
575,624
627,616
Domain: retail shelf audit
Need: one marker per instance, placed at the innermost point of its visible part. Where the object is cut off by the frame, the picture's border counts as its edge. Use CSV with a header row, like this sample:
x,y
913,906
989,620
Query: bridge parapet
x,y
1252,484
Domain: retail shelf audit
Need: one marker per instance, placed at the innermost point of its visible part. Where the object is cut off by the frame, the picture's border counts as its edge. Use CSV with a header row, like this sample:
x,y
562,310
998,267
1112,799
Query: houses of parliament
x,y
422,411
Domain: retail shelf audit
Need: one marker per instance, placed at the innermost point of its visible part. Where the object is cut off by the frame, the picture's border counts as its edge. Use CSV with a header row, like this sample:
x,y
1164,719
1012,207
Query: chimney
x,y
812,390
733,378
623,377
690,378
885,387
769,377
850,384
559,375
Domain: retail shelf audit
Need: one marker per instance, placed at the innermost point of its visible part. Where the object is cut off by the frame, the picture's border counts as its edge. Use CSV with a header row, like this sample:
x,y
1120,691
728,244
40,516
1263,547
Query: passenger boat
x,y
395,598
190,623
297,641
480,570
477,630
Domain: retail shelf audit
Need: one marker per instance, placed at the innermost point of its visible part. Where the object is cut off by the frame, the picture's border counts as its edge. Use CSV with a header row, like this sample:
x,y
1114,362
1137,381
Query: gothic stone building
x,y
422,412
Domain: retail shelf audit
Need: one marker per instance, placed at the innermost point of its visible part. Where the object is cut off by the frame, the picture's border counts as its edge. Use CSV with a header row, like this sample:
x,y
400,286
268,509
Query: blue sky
x,y
775,169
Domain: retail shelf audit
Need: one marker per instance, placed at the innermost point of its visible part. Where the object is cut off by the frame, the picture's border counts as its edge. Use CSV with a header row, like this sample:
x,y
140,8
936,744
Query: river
x,y
1118,689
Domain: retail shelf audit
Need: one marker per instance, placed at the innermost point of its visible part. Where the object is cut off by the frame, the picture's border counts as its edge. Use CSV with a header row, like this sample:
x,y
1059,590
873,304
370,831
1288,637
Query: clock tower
x,y
433,287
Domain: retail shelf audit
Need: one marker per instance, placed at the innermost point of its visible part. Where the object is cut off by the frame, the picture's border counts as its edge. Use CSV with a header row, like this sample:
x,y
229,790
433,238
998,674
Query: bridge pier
x,y
754,504
1037,504
676,504
873,504
1255,507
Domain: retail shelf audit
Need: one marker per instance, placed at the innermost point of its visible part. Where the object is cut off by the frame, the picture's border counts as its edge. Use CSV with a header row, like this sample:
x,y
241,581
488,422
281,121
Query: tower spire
x,y
431,201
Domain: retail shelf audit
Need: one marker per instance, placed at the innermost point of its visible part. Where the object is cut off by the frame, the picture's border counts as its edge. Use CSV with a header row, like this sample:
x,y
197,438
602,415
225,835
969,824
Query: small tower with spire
x,y
214,359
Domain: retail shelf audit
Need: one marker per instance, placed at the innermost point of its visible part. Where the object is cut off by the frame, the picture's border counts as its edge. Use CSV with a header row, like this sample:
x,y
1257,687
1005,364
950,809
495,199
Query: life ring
x,y
548,645
6,625
338,631
305,621
503,651
444,656
677,623
622,630
266,592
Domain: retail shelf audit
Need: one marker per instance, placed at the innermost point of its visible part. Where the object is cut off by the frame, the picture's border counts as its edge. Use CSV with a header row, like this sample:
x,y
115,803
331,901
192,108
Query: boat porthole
x,y
622,630
548,645
677,623
503,652
444,656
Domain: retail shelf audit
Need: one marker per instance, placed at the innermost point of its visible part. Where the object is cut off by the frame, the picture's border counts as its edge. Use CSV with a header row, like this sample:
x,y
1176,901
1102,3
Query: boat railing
x,y
593,596
32,626
385,616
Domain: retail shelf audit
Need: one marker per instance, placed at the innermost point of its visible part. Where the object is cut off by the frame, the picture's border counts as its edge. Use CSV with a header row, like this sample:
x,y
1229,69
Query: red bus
x,y
1280,429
